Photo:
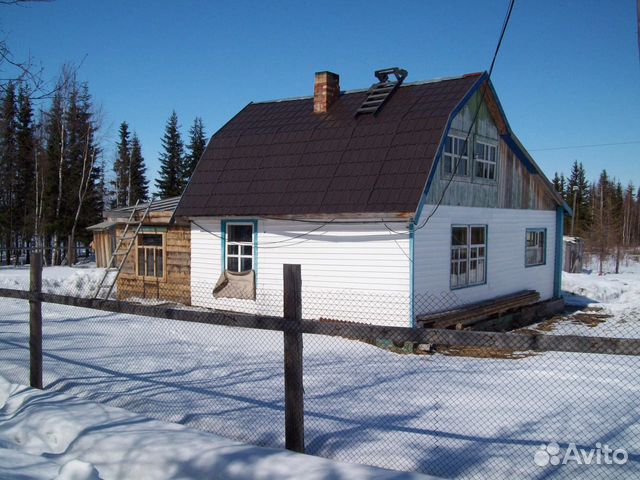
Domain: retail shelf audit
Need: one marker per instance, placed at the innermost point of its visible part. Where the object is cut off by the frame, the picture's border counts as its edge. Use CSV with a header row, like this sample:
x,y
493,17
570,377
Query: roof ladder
x,y
380,92
127,240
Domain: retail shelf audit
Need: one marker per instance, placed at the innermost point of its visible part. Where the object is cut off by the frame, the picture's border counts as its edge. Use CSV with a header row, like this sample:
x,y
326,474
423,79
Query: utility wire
x,y
475,117
569,147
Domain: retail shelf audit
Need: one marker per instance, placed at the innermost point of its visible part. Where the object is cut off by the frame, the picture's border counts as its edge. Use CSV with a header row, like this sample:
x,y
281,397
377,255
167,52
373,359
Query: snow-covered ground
x,y
45,435
448,416
78,281
606,305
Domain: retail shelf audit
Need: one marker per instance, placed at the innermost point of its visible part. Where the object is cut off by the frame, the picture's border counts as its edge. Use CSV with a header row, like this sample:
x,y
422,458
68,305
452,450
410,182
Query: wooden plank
x,y
479,310
365,332
293,385
35,321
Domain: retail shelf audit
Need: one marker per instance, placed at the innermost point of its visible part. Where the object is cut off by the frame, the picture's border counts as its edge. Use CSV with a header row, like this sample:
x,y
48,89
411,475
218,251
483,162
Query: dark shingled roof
x,y
279,158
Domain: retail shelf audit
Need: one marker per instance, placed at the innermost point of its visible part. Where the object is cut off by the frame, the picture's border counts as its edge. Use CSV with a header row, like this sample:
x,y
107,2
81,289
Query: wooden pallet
x,y
472,313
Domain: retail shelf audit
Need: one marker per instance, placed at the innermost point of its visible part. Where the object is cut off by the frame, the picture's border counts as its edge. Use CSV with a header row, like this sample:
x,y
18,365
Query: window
x,y
485,160
239,247
150,255
468,255
455,153
535,250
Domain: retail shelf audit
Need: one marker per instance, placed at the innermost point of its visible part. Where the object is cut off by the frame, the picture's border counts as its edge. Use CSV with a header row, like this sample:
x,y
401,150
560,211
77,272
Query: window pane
x,y
473,267
240,233
477,235
447,164
232,249
459,236
462,166
141,261
247,249
478,150
159,264
232,264
462,147
447,145
247,264
151,240
149,263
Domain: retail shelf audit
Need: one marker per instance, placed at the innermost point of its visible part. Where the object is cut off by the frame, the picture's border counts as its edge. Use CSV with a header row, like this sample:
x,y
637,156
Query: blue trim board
x,y
412,318
223,235
515,148
544,249
557,277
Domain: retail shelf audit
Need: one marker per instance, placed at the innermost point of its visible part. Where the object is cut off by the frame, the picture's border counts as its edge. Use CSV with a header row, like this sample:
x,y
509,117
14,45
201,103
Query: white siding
x,y
506,272
351,272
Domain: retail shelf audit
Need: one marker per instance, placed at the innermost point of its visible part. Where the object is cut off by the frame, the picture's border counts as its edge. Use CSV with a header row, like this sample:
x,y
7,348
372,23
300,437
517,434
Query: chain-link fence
x,y
558,398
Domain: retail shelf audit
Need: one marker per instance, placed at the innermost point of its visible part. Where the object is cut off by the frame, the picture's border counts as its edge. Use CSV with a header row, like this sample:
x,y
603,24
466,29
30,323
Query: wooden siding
x,y
176,286
349,272
514,186
506,271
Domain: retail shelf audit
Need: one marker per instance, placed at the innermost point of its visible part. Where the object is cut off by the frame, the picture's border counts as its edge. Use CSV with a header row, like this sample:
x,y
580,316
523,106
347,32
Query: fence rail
x,y
535,342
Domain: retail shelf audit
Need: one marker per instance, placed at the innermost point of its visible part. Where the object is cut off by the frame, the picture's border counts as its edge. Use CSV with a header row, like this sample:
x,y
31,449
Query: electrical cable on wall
x,y
480,103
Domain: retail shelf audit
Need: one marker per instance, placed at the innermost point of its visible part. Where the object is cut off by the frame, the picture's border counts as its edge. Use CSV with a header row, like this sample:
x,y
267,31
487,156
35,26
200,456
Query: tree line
x,y
606,214
56,178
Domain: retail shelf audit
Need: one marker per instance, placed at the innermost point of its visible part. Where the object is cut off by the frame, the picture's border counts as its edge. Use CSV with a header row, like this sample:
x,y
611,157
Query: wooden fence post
x,y
293,387
35,321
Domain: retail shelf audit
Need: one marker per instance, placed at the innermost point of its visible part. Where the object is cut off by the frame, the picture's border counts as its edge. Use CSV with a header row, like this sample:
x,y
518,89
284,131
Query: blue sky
x,y
568,72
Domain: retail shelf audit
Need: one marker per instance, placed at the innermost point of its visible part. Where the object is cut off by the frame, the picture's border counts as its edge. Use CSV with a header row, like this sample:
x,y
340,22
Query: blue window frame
x,y
239,245
535,253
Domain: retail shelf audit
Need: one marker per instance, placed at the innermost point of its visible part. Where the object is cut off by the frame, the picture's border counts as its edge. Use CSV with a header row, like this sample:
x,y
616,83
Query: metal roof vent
x,y
380,92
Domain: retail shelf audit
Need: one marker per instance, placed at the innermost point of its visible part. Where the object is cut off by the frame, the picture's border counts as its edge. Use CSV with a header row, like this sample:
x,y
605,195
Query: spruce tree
x,y
197,144
8,166
139,185
578,196
26,144
171,181
121,167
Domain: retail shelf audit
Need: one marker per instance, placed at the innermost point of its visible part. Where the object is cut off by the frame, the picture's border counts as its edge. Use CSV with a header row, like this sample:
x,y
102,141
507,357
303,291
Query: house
x,y
378,196
157,266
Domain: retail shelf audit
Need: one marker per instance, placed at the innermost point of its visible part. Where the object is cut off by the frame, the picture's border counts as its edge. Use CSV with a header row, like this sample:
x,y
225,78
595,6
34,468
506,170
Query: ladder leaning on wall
x,y
127,240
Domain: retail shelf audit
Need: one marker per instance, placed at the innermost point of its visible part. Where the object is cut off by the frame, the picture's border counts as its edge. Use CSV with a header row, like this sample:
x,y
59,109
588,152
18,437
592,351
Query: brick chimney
x,y
325,91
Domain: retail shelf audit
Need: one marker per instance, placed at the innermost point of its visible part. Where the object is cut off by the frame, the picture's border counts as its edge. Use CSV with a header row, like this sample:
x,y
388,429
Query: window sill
x,y
462,287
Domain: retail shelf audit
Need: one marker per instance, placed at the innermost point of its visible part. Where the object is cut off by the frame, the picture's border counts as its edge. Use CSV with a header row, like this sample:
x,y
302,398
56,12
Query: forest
x,y
606,214
56,177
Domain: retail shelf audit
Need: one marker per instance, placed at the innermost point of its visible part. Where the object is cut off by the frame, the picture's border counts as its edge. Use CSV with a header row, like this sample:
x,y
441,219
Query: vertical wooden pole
x,y
35,321
293,386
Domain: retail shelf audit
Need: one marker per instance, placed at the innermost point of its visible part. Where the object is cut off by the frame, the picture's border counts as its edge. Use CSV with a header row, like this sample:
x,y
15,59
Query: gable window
x,y
239,247
468,255
150,253
535,249
485,160
455,155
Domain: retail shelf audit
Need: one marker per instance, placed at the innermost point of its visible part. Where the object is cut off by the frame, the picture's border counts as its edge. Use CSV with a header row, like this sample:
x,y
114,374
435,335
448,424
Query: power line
x,y
475,118
570,147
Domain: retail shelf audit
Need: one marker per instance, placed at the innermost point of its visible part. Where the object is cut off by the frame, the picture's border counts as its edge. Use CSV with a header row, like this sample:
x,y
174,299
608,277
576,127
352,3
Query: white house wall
x,y
351,272
506,271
